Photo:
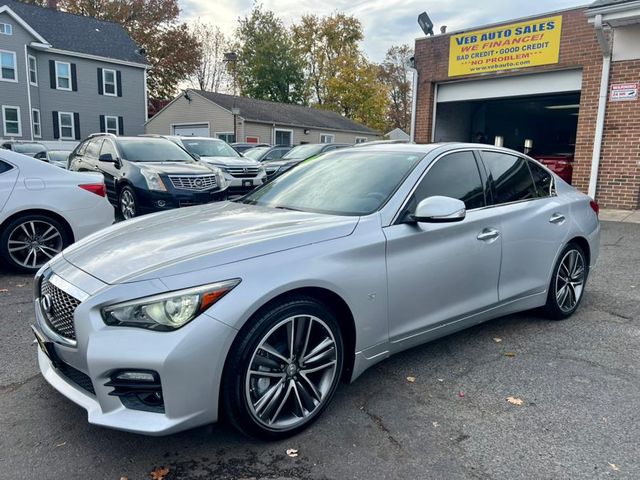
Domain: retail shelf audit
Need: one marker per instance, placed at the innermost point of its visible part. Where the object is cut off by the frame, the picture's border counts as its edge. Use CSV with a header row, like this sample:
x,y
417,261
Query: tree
x,y
394,73
322,41
211,73
269,65
356,92
171,49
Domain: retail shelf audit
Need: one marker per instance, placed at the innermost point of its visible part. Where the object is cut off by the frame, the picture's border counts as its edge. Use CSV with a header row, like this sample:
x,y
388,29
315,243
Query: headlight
x,y
168,311
154,182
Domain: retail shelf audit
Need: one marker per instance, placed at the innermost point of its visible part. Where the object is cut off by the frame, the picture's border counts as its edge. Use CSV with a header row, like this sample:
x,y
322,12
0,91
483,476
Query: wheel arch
x,y
41,211
583,243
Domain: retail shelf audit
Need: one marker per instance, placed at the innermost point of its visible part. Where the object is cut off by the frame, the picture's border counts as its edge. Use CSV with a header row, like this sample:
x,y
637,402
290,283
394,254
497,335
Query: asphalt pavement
x,y
574,412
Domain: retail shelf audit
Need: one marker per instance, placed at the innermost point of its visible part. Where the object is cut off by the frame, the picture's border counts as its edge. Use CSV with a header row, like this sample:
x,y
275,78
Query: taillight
x,y
97,188
595,207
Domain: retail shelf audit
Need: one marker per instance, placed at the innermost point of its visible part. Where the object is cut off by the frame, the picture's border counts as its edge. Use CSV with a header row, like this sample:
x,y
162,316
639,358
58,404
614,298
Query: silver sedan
x,y
259,307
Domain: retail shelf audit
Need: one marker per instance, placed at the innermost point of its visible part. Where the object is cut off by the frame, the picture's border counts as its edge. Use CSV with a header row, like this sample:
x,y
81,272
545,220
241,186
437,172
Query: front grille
x,y
243,172
77,377
191,182
59,315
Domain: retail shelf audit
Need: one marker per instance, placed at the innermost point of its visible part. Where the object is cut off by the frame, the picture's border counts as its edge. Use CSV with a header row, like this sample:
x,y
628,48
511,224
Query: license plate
x,y
46,346
247,183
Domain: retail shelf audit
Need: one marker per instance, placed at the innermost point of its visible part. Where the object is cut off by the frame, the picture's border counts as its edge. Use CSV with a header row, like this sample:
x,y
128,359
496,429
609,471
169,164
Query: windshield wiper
x,y
282,207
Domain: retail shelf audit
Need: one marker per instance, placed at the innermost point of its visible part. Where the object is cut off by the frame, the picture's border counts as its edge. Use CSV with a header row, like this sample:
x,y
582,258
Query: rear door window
x,y
4,167
542,179
512,181
93,149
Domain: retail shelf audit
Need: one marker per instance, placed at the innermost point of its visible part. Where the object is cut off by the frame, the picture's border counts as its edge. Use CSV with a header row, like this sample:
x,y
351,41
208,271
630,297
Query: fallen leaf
x,y
509,354
461,394
124,478
411,379
614,467
61,444
2,290
497,339
159,473
20,285
435,424
292,452
514,400
441,379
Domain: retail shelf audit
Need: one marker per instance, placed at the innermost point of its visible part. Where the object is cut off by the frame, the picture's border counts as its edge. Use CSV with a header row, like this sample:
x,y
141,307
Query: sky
x,y
385,22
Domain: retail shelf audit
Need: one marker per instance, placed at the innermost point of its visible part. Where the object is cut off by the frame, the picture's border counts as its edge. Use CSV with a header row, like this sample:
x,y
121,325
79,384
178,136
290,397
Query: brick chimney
x,y
52,4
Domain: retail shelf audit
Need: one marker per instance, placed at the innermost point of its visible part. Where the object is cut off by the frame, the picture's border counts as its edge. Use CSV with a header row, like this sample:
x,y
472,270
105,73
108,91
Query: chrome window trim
x,y
394,221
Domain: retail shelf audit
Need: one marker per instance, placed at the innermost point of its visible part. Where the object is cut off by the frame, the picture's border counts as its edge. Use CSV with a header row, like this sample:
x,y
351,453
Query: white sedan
x,y
44,208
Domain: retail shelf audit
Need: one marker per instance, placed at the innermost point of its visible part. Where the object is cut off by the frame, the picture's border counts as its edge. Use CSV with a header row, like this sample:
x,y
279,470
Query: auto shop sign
x,y
623,91
507,47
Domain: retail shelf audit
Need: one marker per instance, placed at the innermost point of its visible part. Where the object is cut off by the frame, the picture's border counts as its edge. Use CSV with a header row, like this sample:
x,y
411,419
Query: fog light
x,y
161,203
134,376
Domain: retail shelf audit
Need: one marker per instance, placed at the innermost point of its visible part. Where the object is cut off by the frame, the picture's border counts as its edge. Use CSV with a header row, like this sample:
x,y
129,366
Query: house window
x,y
8,70
228,137
63,76
361,139
326,138
283,137
250,139
35,120
111,125
33,71
109,82
6,29
65,124
11,121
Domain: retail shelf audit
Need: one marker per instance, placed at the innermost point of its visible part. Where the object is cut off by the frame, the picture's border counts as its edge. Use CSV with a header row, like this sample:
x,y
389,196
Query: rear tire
x,y
30,241
568,280
283,369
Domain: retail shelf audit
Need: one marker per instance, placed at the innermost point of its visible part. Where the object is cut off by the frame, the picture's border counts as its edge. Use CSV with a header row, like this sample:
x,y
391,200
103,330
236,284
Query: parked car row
x,y
57,156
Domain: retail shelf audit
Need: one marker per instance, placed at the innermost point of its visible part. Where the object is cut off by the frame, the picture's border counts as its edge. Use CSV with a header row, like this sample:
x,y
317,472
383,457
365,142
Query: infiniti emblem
x,y
47,304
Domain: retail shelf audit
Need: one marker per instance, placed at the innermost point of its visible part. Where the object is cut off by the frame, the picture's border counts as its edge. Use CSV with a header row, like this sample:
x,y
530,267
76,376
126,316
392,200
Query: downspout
x,y
28,78
414,102
602,104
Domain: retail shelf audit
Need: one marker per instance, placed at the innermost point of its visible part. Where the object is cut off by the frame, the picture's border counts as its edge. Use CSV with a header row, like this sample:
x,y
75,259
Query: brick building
x,y
559,84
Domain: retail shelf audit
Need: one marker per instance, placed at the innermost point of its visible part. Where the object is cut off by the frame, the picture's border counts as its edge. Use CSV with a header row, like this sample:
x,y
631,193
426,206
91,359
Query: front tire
x,y
284,369
30,241
127,203
567,283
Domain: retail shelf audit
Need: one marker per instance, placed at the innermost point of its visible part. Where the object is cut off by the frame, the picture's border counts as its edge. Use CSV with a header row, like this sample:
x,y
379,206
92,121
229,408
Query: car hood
x,y
175,167
188,239
231,161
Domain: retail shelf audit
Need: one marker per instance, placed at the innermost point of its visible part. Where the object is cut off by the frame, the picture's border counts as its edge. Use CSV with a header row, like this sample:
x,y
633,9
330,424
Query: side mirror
x,y
196,156
41,156
439,209
107,157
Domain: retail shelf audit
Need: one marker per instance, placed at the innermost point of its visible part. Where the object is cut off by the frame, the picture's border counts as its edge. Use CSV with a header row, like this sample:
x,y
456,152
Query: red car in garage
x,y
561,164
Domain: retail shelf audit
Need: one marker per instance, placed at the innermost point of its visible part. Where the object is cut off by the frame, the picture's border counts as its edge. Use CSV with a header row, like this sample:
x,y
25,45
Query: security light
x,y
425,23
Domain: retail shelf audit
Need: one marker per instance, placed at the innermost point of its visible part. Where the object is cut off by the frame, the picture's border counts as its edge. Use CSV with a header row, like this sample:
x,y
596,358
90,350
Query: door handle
x,y
488,234
557,218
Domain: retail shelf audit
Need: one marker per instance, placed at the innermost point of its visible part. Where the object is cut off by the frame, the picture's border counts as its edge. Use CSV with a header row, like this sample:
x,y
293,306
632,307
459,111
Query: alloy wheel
x,y
127,204
291,372
33,243
570,280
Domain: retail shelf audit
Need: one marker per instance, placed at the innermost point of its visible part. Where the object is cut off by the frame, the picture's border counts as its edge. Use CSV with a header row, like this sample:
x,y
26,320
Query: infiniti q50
x,y
258,308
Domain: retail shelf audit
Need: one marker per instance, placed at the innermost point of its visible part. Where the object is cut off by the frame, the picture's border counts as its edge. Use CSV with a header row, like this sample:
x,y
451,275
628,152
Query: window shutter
x,y
100,85
56,126
120,126
74,78
52,75
102,124
119,82
76,125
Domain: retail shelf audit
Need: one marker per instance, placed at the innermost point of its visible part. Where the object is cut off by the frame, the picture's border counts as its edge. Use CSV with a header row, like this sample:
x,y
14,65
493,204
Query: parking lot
x,y
579,382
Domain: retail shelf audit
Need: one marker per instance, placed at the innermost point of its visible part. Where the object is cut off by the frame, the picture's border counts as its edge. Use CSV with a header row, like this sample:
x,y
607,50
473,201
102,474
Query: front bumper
x,y
244,185
189,362
154,201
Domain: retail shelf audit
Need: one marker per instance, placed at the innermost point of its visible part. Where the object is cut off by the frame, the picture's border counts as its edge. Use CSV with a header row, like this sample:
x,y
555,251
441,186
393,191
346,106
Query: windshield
x,y
209,147
152,150
58,155
29,148
339,183
303,151
255,153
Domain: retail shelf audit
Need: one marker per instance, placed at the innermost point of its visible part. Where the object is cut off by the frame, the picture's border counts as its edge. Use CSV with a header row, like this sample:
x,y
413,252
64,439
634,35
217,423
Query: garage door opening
x,y
195,130
550,122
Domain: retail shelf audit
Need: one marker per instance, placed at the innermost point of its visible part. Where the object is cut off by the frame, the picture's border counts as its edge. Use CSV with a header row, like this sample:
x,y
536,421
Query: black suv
x,y
144,174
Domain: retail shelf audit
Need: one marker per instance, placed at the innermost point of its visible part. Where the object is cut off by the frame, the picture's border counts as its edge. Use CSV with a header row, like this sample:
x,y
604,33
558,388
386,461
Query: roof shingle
x,y
78,33
284,113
